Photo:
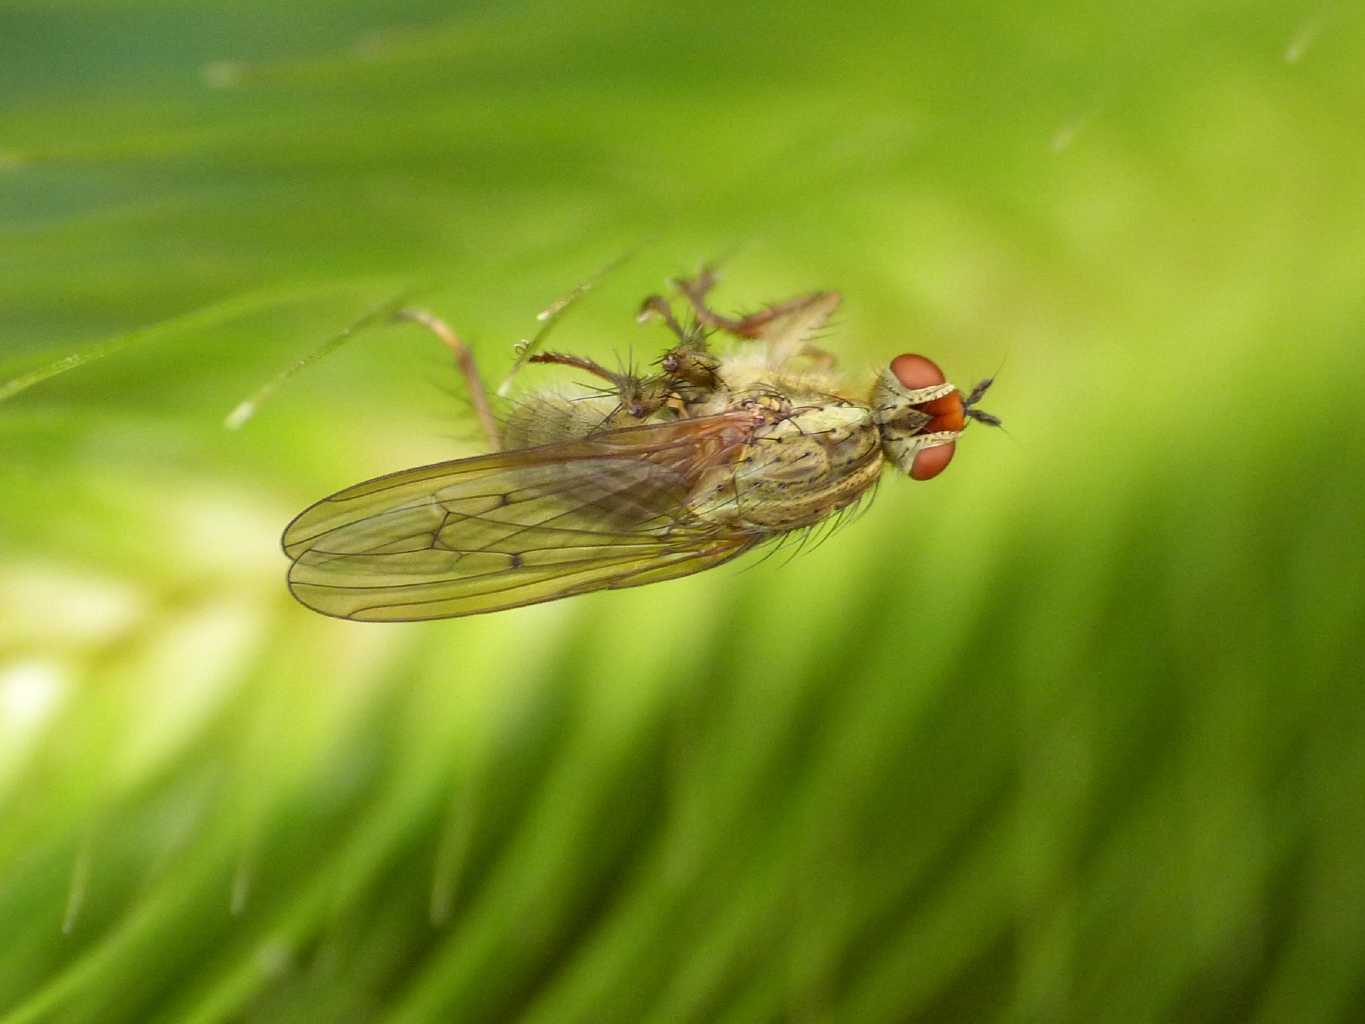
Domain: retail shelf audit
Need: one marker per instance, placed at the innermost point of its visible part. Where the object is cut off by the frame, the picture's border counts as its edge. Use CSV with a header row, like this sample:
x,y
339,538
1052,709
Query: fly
x,y
649,477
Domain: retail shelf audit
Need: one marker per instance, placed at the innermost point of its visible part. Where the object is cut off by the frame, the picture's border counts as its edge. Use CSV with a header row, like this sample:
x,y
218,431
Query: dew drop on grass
x,y
223,74
1305,37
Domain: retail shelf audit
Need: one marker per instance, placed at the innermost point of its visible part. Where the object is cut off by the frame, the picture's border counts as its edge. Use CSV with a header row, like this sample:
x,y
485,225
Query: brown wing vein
x,y
605,512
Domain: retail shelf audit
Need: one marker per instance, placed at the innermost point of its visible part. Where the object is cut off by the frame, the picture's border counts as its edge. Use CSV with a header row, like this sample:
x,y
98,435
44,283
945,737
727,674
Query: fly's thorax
x,y
750,368
912,419
798,467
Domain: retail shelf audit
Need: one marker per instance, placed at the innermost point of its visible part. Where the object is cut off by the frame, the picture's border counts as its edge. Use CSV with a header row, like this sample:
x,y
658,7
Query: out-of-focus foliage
x,y
1073,733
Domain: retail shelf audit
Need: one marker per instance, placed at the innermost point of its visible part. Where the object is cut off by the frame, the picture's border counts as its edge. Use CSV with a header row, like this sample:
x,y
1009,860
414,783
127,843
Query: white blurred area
x,y
32,691
121,674
44,606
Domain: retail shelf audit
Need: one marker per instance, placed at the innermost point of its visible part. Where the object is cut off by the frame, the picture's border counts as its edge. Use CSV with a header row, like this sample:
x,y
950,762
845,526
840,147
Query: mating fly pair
x,y
641,479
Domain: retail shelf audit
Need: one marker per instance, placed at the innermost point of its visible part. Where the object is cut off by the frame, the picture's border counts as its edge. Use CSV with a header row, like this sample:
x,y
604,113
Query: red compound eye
x,y
915,371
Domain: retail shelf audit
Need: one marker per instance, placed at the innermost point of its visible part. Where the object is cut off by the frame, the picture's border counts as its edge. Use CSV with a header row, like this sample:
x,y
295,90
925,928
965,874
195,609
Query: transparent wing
x,y
517,527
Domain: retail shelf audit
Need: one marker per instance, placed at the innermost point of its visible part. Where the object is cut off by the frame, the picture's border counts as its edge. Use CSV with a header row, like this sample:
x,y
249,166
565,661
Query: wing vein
x,y
609,511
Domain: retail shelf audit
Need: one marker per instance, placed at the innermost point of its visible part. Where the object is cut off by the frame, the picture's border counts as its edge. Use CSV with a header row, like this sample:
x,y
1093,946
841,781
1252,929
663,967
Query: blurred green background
x,y
1073,733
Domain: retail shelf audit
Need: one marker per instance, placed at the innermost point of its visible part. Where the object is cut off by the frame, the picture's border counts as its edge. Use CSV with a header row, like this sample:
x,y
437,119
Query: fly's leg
x,y
789,321
549,316
637,397
656,307
783,326
579,363
695,289
464,361
753,326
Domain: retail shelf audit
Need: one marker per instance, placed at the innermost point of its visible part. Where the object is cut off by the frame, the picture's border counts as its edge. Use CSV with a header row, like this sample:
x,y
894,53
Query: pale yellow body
x,y
812,451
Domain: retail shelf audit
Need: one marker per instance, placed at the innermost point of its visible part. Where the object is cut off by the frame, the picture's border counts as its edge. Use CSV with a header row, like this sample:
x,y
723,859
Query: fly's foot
x,y
656,307
695,289
815,307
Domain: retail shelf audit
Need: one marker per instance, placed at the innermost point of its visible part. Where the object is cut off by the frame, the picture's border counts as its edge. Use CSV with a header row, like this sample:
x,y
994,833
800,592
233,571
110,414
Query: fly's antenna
x,y
980,415
982,386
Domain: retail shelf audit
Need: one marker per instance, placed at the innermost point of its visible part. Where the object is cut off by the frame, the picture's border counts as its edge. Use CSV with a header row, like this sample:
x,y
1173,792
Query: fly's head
x,y
920,415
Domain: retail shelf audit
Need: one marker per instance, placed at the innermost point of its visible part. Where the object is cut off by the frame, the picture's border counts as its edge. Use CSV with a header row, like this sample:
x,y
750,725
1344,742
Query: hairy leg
x,y
550,316
656,307
783,326
464,361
